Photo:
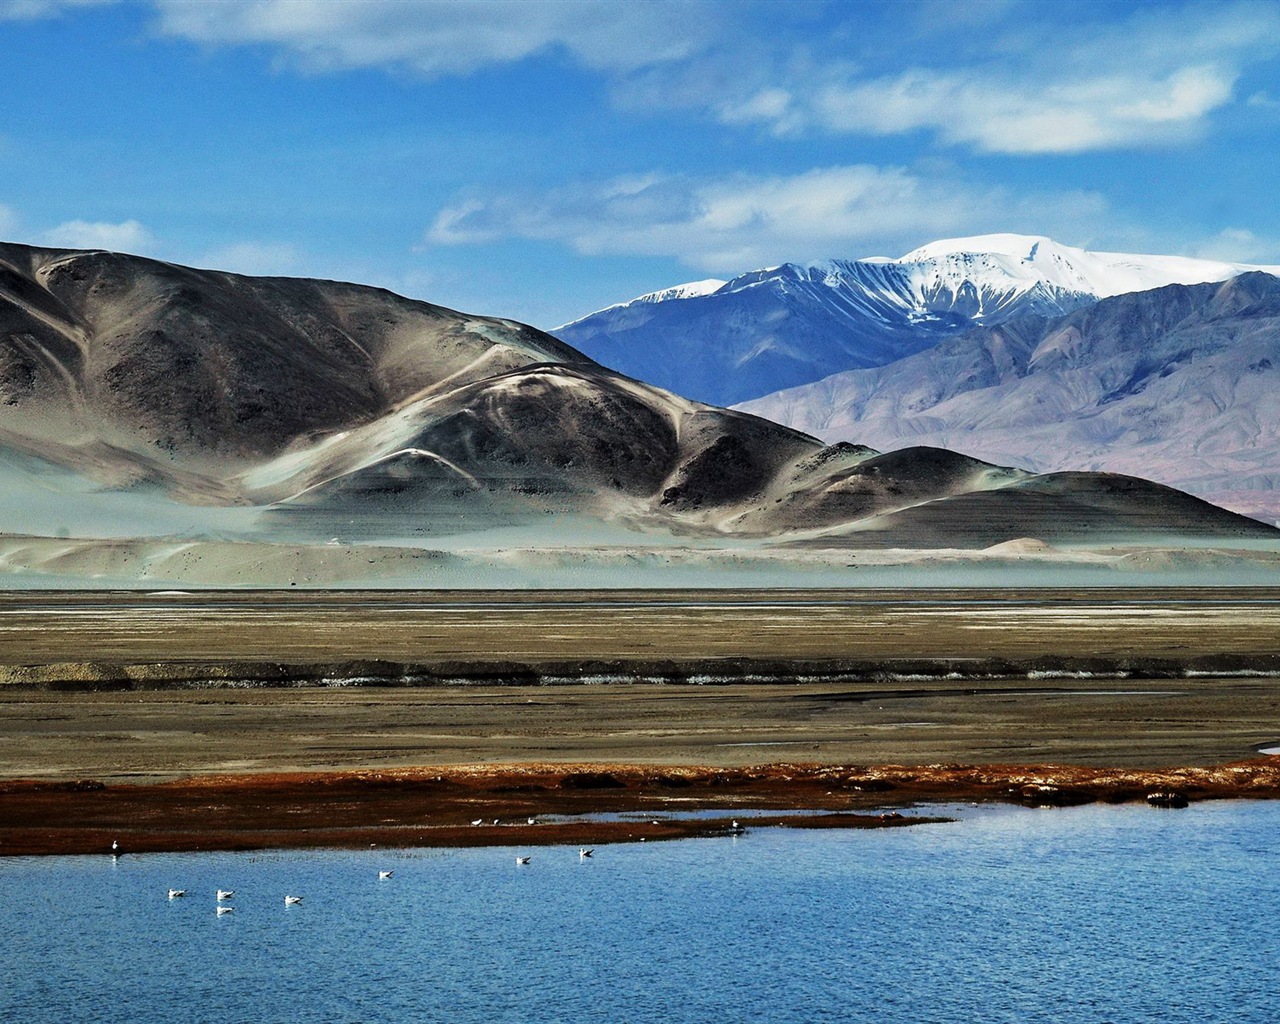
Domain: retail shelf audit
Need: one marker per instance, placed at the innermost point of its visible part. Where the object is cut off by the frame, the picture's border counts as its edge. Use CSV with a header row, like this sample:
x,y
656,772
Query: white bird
x,y
478,821
175,893
291,900
533,821
115,846
383,874
226,910
225,894
523,860
584,853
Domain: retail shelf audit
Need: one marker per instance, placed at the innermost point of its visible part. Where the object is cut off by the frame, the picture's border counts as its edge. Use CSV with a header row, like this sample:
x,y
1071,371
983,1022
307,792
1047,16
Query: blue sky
x,y
540,160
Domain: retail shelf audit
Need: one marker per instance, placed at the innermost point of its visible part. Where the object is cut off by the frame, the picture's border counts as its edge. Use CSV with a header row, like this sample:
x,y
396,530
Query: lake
x,y
1087,914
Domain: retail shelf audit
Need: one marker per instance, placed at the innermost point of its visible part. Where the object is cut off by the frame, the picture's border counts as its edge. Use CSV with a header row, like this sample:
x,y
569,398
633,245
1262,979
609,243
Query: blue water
x,y
1083,915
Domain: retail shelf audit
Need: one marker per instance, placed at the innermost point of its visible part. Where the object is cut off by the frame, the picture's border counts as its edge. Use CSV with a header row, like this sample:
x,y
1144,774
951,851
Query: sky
x,y
539,160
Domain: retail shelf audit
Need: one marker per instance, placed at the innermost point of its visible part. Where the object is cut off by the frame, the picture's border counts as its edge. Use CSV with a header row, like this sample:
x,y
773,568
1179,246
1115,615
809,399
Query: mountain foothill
x,y
313,403
1011,348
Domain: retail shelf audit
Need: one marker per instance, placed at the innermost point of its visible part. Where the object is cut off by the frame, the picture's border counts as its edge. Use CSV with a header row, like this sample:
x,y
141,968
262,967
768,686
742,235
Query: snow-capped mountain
x,y
1180,384
989,259
727,342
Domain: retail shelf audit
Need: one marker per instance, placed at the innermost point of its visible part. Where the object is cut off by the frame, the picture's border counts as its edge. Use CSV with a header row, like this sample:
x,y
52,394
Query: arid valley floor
x,y
241,719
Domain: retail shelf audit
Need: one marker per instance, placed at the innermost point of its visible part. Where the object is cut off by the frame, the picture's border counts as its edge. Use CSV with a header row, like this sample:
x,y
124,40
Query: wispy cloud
x,y
1152,79
30,10
996,77
434,39
8,221
733,223
1067,116
128,236
1238,245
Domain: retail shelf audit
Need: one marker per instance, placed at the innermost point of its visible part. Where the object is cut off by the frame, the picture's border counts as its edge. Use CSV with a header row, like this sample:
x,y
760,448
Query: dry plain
x,y
738,690
148,686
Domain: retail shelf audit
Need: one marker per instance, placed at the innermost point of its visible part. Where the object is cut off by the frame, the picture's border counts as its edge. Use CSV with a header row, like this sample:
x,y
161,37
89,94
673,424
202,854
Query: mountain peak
x,y
1024,247
1100,274
798,322
688,290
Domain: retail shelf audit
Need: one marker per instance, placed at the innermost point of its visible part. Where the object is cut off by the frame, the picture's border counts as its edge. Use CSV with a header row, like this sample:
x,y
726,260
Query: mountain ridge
x,y
1176,384
784,326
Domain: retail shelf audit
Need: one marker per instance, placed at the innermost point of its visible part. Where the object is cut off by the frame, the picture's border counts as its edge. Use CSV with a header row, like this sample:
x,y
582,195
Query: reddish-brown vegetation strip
x,y
435,807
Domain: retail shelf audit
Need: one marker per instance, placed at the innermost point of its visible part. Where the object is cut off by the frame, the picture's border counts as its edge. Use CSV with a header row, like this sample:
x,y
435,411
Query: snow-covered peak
x,y
1001,265
723,342
1024,247
689,290
1100,274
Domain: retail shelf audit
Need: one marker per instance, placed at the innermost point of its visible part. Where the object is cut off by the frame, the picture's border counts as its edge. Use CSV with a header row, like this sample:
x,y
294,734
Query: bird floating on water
x,y
523,860
384,874
175,893
291,900
225,894
478,821
584,853
226,910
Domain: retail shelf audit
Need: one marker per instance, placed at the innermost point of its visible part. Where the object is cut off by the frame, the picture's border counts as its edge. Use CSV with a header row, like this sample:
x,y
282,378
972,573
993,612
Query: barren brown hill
x,y
317,402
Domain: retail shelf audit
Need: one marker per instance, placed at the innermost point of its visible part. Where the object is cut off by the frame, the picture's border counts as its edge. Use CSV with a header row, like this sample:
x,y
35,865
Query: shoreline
x,y
264,720
439,807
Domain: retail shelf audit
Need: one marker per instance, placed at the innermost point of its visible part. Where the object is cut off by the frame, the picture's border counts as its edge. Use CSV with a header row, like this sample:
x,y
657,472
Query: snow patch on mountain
x,y
1036,258
689,290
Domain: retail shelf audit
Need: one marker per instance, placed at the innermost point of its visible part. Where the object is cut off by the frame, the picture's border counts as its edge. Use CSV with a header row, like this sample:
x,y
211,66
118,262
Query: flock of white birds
x,y
223,905
224,896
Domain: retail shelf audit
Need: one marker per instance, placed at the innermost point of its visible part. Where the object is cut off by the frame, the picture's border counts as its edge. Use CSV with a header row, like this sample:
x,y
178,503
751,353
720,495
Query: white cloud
x,y
8,221
1238,245
263,259
1153,79
1070,116
434,39
30,10
129,236
996,76
726,225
